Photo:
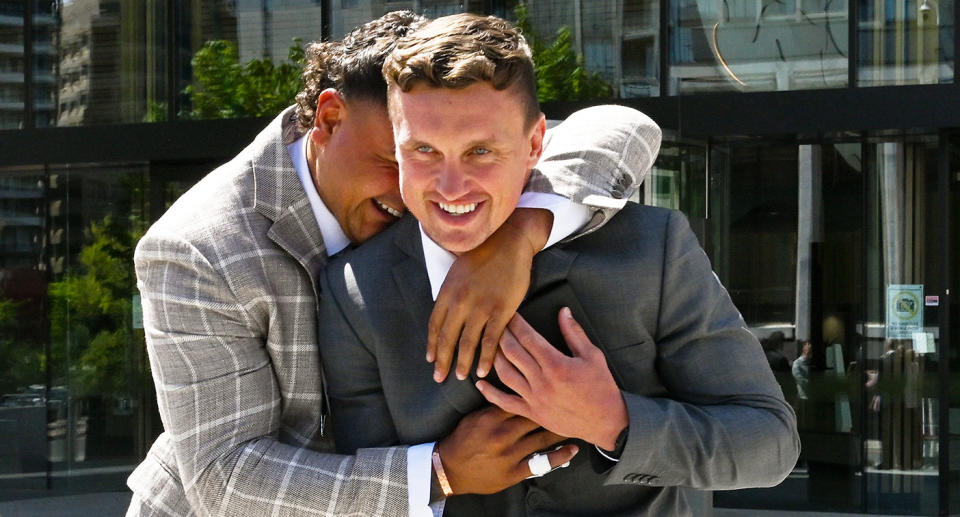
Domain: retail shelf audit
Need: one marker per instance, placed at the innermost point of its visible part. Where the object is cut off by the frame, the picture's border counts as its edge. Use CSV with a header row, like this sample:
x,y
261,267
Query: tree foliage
x,y
224,88
90,314
561,74
20,357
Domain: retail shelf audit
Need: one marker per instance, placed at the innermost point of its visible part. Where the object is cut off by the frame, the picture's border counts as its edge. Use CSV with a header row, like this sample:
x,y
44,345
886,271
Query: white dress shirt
x,y
568,217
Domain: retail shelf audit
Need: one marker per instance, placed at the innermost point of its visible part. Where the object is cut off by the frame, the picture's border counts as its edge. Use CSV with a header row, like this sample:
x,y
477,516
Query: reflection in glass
x,y
678,180
22,297
72,365
905,42
757,45
44,63
901,359
11,65
111,58
783,227
953,408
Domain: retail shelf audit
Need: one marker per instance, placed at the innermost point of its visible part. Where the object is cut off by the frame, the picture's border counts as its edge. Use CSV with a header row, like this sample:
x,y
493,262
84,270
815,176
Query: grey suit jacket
x,y
227,278
705,410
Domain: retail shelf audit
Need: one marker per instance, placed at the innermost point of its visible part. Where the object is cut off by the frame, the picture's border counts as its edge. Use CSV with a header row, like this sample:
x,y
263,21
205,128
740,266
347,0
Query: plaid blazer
x,y
228,285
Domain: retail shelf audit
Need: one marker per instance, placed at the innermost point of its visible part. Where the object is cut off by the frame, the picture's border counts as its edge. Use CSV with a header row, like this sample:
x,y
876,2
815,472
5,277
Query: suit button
x,y
630,478
534,499
625,180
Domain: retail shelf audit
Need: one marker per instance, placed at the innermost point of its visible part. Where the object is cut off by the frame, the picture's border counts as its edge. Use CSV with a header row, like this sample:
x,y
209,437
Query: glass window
x,y
902,331
905,42
756,45
123,48
784,223
74,388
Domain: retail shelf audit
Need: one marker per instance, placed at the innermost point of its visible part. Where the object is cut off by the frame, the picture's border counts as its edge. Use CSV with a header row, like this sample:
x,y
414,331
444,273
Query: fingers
x,y
532,342
537,443
562,455
509,403
517,353
434,327
491,341
446,341
573,334
510,376
467,347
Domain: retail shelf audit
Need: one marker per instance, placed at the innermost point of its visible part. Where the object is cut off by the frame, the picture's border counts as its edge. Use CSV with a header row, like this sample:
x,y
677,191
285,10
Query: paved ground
x,y
104,504
114,504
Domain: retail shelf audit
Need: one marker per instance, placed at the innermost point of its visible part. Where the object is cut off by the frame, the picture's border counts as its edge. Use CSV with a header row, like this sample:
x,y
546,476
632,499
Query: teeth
x,y
458,209
392,211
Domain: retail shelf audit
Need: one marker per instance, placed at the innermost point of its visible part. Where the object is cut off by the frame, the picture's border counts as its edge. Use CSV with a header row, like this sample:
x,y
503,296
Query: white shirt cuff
x,y
419,467
568,216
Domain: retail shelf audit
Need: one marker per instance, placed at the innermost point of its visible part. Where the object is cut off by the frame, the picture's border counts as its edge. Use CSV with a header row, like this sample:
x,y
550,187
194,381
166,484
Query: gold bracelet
x,y
441,475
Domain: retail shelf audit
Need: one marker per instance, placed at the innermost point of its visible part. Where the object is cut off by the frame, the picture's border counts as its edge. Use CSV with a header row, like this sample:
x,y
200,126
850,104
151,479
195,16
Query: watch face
x,y
779,44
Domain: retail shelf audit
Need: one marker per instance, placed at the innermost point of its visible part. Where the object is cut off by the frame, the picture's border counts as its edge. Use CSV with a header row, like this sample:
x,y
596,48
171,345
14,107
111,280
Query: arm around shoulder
x,y
597,157
221,402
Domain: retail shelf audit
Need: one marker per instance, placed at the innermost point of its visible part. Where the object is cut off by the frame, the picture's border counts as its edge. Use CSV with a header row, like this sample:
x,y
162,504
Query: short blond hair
x,y
462,49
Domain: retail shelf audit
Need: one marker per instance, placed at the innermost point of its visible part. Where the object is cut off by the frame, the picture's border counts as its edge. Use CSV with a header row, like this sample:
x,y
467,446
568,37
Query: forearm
x,y
598,157
266,477
726,424
221,404
752,442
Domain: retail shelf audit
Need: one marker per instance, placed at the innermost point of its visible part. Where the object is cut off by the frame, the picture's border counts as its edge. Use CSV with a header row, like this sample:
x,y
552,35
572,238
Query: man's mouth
x,y
390,210
458,209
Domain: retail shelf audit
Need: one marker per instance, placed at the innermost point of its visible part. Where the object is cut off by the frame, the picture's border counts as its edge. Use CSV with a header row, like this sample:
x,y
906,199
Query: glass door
x,y
901,334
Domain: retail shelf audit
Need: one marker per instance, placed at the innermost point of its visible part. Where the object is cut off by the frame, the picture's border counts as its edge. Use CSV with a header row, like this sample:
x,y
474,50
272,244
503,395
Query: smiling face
x,y
354,168
465,155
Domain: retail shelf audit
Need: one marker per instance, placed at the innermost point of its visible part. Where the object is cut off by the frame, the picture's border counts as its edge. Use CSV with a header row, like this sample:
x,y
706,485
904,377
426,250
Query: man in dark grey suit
x,y
678,394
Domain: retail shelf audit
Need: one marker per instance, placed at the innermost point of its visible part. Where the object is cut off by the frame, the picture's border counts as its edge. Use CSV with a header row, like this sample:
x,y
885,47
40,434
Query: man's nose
x,y
452,181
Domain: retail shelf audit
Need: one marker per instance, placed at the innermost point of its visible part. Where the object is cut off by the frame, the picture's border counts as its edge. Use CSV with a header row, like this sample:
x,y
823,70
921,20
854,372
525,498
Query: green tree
x,y
223,88
20,357
91,314
561,74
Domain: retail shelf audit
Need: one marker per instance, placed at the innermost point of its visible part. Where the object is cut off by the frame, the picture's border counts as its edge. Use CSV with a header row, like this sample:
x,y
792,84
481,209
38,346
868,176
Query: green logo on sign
x,y
906,305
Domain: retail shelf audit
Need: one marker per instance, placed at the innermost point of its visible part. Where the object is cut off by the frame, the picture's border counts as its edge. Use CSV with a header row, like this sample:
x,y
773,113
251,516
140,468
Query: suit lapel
x,y
549,292
414,285
279,196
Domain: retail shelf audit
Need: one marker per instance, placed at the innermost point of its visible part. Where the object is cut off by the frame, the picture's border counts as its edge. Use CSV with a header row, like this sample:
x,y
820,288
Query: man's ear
x,y
536,140
329,114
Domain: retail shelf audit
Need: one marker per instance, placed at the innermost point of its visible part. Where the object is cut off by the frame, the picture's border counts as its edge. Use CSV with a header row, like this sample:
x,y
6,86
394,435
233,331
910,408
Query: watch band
x,y
618,446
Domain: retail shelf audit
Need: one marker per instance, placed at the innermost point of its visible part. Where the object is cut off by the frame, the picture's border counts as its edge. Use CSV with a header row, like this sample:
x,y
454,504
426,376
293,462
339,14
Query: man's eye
x,y
424,149
481,150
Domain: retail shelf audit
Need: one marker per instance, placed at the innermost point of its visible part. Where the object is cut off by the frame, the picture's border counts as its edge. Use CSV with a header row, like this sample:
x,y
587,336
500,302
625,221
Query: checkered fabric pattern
x,y
228,285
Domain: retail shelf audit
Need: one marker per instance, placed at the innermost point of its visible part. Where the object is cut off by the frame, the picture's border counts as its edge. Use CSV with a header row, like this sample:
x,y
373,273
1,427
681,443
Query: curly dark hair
x,y
352,66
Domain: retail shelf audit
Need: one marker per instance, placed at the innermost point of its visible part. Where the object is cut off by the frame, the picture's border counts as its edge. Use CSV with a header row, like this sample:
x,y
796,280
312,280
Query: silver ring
x,y
539,465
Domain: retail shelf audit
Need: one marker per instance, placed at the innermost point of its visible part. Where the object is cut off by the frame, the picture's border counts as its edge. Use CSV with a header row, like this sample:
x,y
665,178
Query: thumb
x,y
573,334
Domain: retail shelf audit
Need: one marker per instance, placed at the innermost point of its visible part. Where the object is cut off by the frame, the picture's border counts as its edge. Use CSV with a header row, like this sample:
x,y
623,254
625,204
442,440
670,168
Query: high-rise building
x,y
812,144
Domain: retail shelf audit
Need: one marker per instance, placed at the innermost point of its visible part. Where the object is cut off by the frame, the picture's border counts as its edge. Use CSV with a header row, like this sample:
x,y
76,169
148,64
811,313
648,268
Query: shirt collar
x,y
438,262
333,237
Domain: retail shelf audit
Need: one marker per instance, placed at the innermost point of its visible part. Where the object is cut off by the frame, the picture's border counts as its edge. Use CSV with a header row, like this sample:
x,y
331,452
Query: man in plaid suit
x,y
228,280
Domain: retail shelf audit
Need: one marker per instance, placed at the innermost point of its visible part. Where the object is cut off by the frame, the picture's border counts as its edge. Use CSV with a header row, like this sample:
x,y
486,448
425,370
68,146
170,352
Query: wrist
x,y
439,484
621,442
534,224
614,427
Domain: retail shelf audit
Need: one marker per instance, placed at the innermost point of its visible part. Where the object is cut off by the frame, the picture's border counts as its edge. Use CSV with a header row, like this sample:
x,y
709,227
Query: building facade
x,y
813,144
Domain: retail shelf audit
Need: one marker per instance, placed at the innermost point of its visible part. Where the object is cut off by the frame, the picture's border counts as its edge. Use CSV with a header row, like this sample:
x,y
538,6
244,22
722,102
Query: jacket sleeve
x,y
597,157
220,403
724,423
